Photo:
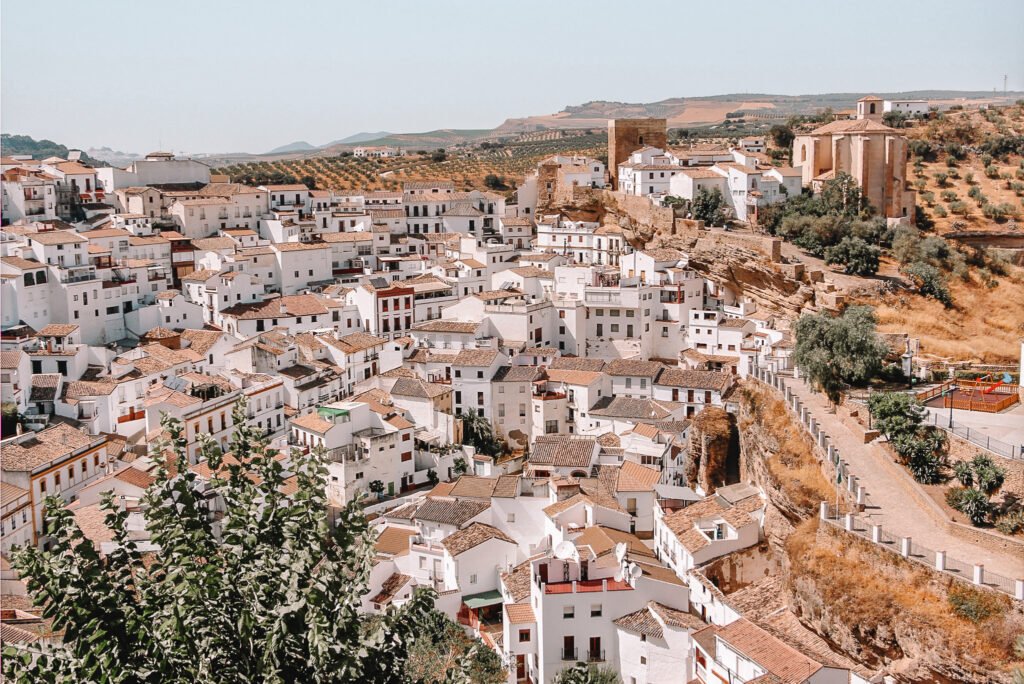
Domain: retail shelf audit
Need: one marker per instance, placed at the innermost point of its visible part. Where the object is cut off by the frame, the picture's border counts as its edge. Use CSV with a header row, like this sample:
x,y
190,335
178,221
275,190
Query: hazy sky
x,y
220,76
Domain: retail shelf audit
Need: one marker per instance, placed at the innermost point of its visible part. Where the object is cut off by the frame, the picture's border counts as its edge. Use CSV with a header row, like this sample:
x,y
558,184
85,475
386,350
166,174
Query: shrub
x,y
856,255
974,504
941,178
1011,523
949,196
992,171
941,212
969,177
929,282
959,208
974,604
928,197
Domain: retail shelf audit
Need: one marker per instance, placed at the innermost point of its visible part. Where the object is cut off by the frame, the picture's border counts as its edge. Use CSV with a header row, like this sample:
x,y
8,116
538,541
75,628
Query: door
x,y
569,648
544,573
595,649
675,395
520,667
584,571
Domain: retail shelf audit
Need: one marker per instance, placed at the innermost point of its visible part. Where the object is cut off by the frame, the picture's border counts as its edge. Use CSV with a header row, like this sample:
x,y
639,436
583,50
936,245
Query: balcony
x,y
595,656
424,544
548,396
570,655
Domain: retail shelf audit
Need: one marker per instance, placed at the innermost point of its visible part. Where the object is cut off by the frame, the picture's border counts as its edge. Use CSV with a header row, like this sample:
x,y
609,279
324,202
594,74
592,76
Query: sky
x,y
231,76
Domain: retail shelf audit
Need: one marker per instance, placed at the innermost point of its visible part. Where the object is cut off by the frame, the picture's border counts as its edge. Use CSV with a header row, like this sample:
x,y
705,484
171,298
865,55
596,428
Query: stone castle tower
x,y
626,136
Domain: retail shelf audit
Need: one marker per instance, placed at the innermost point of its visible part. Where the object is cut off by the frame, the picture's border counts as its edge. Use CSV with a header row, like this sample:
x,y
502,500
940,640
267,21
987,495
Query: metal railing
x,y
570,654
978,437
976,575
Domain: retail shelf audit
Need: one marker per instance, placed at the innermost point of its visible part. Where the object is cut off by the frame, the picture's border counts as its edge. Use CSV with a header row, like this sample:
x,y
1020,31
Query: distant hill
x,y
429,140
113,157
358,138
300,146
39,149
697,111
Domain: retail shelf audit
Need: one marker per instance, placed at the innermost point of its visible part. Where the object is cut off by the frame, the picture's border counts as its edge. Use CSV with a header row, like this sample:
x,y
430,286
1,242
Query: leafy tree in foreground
x,y
445,648
834,351
275,597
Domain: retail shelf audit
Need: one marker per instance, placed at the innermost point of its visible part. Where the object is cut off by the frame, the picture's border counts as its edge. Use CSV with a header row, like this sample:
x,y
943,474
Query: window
x,y
550,427
524,635
568,612
472,579
595,610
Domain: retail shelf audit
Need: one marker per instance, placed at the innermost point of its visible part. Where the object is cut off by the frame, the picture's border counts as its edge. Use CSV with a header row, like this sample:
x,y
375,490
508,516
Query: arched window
x,y
803,153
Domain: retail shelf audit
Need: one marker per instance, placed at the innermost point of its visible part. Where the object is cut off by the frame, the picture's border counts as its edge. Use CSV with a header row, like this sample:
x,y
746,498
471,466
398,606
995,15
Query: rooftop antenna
x,y
1004,84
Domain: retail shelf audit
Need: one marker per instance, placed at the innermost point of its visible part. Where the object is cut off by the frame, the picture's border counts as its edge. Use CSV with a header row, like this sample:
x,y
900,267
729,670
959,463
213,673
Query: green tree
x,y
782,135
842,195
856,255
894,119
459,466
587,674
929,282
274,596
495,182
895,414
833,351
981,477
439,156
708,206
478,432
377,487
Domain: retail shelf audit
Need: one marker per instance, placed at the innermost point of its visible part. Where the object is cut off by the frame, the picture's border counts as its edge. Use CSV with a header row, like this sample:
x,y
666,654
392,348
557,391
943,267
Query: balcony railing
x,y
595,656
570,654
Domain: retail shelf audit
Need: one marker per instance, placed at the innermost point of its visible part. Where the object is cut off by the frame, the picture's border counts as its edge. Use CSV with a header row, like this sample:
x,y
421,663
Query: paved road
x,y
889,502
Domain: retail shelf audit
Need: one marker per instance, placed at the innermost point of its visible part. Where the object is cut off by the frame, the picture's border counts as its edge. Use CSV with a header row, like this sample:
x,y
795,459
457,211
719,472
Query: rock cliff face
x,y
868,604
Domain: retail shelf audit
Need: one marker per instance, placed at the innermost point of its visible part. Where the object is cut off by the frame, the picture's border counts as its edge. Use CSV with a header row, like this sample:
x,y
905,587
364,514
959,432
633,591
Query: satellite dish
x,y
620,551
635,570
564,550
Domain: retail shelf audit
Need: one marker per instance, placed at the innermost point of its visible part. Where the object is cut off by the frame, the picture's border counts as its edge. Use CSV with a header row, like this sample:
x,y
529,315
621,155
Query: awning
x,y
487,598
327,412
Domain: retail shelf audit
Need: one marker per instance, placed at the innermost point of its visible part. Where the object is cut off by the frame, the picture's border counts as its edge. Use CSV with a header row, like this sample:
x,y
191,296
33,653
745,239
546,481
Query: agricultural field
x,y
969,173
468,167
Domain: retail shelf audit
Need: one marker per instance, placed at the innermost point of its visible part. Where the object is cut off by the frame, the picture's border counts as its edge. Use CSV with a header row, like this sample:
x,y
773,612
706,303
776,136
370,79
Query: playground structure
x,y
990,394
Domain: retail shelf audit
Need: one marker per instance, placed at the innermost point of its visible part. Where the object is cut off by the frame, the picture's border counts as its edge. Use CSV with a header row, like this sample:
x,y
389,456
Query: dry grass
x,y
986,324
794,467
877,593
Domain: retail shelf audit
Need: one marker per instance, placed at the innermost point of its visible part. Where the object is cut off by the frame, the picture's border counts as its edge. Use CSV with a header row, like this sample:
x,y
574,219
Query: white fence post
x,y
823,510
1018,589
940,560
876,534
905,547
861,495
848,522
979,573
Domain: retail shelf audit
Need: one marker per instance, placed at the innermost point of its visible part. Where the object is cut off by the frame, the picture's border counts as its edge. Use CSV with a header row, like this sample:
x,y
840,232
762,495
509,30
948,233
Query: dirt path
x,y
890,504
